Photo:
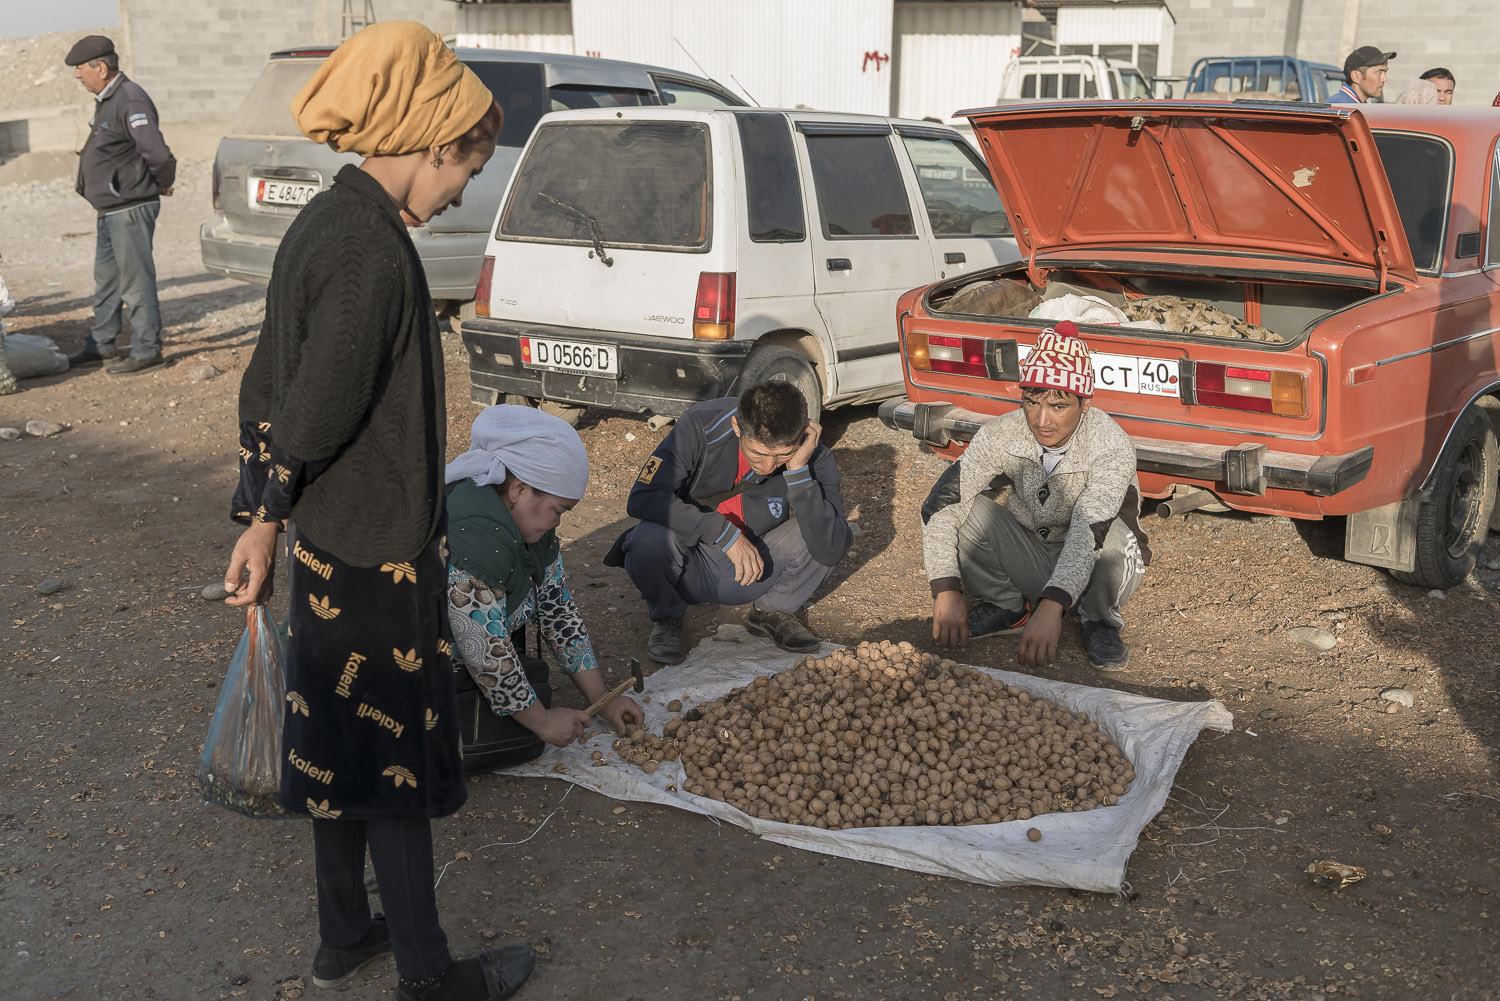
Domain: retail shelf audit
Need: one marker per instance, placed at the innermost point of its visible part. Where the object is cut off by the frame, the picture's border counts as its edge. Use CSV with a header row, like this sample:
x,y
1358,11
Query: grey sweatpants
x,y
125,282
1003,563
671,576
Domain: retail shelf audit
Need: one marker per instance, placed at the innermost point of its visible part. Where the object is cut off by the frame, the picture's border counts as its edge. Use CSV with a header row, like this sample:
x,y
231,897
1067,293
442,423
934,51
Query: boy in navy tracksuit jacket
x,y
739,503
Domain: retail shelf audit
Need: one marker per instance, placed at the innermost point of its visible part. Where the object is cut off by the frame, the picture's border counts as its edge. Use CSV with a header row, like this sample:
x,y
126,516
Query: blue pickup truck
x,y
1262,78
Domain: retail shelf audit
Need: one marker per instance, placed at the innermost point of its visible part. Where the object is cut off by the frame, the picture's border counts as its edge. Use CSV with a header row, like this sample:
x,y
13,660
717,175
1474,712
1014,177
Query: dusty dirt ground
x,y
116,883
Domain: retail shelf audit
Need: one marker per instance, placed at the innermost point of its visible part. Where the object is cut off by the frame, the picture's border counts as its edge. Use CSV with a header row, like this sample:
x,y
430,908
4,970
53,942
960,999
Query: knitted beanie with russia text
x,y
1060,360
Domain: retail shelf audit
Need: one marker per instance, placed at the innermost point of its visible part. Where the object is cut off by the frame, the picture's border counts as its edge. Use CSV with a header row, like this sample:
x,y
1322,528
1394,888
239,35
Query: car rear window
x,y
267,110
773,189
641,184
519,87
1420,170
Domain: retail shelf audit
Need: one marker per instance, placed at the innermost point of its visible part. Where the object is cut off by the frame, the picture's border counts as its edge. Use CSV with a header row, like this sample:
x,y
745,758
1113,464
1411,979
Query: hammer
x,y
636,679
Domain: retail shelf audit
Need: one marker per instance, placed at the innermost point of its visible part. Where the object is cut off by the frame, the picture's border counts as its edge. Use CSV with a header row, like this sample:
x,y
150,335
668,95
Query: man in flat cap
x,y
1364,76
123,170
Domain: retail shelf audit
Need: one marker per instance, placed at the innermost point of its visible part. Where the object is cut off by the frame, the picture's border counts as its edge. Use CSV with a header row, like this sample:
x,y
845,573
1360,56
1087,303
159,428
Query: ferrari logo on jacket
x,y
648,471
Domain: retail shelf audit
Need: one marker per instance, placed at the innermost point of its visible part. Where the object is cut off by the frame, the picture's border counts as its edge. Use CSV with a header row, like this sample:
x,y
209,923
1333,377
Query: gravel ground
x,y
120,885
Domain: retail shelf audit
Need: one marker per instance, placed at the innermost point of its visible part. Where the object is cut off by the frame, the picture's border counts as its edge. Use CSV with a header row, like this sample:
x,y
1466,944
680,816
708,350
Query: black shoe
x,y
331,966
132,365
90,356
493,975
667,644
783,629
992,620
1101,641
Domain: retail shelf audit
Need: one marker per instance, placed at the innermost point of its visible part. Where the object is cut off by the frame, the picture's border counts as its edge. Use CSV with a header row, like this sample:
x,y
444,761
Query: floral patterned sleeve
x,y
481,635
561,624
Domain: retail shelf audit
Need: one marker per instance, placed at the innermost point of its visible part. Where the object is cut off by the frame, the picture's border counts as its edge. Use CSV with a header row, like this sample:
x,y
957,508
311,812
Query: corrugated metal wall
x,y
829,54
951,56
531,27
1109,25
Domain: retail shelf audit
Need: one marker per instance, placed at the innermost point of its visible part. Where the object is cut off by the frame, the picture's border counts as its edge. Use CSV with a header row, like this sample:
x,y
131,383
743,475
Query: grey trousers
x,y
1005,564
125,282
671,576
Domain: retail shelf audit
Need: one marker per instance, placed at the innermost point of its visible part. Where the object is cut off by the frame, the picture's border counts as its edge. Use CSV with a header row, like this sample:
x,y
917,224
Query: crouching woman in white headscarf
x,y
506,496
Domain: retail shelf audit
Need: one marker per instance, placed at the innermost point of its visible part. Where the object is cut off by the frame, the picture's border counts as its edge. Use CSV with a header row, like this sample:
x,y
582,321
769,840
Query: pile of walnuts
x,y
884,736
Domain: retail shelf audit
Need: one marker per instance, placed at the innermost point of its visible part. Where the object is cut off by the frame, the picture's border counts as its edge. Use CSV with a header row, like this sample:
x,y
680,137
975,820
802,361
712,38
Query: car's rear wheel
x,y
1453,521
775,363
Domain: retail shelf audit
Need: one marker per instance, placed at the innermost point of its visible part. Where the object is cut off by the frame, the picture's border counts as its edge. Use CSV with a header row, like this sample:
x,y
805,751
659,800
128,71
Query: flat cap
x,y
87,49
1366,56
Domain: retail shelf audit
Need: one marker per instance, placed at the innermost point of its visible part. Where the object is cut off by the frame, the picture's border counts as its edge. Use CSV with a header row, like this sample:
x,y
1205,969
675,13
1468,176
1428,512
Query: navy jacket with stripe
x,y
695,468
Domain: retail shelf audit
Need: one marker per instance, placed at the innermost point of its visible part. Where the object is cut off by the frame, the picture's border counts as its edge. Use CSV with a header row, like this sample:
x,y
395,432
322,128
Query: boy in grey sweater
x,y
1039,516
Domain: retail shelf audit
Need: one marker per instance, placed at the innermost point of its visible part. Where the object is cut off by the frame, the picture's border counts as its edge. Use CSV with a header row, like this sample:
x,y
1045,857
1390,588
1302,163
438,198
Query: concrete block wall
x,y
198,58
1458,34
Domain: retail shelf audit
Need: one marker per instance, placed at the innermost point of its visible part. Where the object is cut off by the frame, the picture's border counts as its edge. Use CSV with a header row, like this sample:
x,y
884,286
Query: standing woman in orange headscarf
x,y
342,443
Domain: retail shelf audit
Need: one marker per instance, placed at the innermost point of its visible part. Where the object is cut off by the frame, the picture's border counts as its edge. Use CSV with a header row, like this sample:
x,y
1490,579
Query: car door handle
x,y
954,258
840,264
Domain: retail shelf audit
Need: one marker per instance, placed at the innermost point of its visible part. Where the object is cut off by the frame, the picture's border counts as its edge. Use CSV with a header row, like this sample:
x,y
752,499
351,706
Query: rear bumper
x,y
449,260
1234,469
659,375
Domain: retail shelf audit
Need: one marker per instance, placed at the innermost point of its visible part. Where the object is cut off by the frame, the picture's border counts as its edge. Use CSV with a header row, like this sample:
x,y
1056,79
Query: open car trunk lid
x,y
1247,179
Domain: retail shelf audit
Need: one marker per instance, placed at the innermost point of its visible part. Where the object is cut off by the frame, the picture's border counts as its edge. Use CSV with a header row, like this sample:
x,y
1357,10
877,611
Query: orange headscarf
x,y
391,88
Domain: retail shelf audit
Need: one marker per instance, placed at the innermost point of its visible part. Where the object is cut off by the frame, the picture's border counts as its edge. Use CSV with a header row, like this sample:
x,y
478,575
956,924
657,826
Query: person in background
x,y
1443,79
739,503
506,496
342,426
124,169
1040,515
1419,92
1364,76
8,383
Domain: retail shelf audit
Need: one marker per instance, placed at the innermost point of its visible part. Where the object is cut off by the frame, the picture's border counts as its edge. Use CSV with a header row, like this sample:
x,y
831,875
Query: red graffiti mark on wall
x,y
592,53
878,58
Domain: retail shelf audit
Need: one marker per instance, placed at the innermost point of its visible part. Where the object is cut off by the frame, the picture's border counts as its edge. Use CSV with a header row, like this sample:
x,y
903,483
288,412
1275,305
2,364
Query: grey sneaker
x,y
783,629
1107,652
332,967
667,644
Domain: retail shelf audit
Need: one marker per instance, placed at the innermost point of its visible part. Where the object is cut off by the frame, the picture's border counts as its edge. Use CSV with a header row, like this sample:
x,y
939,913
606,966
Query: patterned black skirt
x,y
370,729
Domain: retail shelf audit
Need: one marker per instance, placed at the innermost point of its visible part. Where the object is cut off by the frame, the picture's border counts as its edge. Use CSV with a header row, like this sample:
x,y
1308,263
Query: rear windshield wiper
x,y
590,221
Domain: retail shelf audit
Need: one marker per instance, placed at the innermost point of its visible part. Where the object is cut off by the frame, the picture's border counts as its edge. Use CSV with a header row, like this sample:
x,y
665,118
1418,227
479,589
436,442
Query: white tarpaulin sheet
x,y
1083,850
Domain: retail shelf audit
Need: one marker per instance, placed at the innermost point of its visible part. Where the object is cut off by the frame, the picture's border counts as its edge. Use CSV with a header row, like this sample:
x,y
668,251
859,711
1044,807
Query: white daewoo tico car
x,y
646,259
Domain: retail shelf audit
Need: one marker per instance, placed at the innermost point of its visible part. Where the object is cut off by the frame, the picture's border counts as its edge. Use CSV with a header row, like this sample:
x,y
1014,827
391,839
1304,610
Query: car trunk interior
x,y
1272,314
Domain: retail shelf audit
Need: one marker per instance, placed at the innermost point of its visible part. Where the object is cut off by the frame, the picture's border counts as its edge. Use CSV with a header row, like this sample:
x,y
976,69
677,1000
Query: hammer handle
x,y
619,690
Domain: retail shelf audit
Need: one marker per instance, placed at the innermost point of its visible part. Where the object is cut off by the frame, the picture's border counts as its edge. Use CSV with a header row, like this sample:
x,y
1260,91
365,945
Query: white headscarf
x,y
542,451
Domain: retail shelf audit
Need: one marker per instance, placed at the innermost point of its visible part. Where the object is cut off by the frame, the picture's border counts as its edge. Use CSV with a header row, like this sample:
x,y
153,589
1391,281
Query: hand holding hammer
x,y
636,679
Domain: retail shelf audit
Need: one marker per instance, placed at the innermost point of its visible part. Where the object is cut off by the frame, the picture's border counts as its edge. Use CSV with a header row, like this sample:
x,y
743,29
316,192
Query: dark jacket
x,y
125,160
695,469
348,376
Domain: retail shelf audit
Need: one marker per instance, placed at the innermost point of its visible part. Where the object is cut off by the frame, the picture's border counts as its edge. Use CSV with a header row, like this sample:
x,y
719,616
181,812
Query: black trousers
x,y
491,741
401,851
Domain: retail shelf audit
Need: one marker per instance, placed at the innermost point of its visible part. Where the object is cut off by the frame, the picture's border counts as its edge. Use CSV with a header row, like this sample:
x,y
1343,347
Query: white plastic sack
x,y
31,355
1087,851
1079,309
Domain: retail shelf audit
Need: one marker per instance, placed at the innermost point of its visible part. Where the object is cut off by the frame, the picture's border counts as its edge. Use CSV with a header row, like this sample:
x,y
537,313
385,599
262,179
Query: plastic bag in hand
x,y
241,765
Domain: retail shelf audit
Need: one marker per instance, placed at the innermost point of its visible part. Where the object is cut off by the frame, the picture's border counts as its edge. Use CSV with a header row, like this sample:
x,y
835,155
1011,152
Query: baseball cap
x,y
1364,57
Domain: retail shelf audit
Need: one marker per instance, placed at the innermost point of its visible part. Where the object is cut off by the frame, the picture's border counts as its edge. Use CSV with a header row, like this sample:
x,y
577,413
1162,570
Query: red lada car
x,y
1293,308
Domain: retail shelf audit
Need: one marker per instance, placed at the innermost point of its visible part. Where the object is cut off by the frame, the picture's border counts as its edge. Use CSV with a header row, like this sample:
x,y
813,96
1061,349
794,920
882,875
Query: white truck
x,y
1062,78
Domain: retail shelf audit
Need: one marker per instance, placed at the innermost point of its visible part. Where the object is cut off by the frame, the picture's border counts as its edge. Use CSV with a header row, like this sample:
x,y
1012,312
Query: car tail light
x,y
947,353
482,290
218,202
1260,390
713,310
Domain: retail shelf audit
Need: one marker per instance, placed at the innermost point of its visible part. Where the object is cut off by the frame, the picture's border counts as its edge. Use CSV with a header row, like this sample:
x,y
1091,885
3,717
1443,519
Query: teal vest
x,y
483,542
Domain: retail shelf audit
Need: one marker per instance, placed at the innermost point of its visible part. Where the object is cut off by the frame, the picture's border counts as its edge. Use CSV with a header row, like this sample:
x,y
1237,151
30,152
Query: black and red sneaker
x,y
992,620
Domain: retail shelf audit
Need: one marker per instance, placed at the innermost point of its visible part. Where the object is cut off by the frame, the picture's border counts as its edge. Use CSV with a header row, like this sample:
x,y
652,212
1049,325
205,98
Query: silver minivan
x,y
266,170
